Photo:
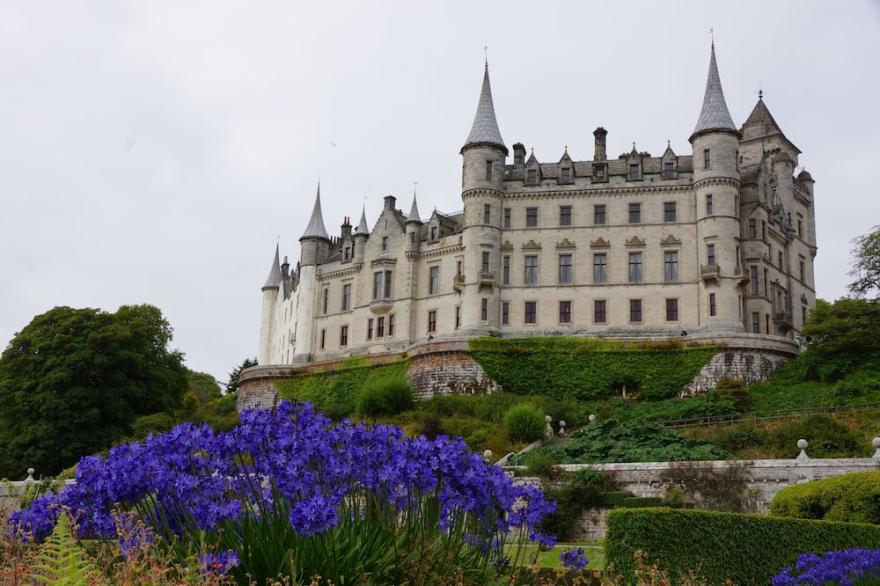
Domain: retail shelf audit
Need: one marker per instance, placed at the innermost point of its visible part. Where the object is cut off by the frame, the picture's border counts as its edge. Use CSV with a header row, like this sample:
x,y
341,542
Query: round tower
x,y
267,320
314,246
484,155
361,234
715,143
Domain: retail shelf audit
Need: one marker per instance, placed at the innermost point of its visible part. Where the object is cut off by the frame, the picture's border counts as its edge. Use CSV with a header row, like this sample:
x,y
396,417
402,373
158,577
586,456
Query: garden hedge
x,y
850,497
590,368
335,393
746,549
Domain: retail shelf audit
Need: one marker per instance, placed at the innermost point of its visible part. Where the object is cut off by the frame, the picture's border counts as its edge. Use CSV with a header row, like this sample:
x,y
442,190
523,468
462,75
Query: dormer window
x,y
565,175
669,170
633,172
532,176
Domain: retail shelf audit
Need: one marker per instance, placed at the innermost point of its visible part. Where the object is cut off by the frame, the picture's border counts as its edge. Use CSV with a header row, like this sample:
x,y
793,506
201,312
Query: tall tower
x,y
715,142
482,181
270,303
314,246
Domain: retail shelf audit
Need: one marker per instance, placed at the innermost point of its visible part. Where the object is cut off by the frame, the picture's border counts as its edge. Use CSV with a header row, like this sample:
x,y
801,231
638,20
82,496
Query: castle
x,y
716,243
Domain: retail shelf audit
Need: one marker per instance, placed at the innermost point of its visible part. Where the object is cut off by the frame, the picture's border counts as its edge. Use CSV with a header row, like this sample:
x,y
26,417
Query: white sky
x,y
153,151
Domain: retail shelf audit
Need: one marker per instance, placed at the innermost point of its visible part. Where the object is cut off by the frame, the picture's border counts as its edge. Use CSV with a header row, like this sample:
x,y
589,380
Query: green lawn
x,y
550,559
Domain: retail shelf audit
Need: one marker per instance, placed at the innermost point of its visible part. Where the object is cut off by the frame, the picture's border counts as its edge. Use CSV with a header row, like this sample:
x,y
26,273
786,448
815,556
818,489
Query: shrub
x,y
744,549
525,423
147,424
740,436
540,464
850,497
736,390
388,395
579,492
828,438
718,489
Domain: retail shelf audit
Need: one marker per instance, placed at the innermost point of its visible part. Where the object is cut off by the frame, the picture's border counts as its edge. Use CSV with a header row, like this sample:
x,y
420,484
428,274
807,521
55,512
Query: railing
x,y
710,271
487,278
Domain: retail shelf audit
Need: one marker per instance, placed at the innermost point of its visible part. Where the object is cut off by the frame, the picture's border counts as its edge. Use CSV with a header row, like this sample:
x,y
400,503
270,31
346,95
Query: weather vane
x,y
486,53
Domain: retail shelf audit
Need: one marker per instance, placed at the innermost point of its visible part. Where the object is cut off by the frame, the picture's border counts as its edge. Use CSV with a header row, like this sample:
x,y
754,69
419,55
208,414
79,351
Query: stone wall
x,y
750,367
448,372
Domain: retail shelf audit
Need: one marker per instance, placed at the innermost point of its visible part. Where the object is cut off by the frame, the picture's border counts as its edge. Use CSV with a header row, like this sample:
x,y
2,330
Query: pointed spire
x,y
714,115
362,225
274,278
532,158
761,115
315,228
485,127
414,211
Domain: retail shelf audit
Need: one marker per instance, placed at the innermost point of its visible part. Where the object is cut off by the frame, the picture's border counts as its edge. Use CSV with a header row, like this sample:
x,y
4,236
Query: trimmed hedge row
x,y
335,393
746,549
589,368
851,497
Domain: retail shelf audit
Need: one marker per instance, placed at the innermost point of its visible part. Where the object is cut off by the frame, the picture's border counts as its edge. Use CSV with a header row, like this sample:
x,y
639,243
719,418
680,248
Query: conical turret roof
x,y
714,115
414,211
362,227
274,278
315,228
485,127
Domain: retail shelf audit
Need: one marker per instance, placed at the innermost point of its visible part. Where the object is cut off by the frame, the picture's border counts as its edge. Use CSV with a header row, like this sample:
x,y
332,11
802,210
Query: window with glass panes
x,y
565,215
565,269
565,312
484,309
432,321
599,214
487,213
599,315
343,336
669,211
434,280
391,324
484,266
709,207
346,297
531,217
635,310
710,255
505,313
531,269
712,307
531,312
507,217
600,267
672,310
380,327
670,265
370,328
635,213
635,267
505,270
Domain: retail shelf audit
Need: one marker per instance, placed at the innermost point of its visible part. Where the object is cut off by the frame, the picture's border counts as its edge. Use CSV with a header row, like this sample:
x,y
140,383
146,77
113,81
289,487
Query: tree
x,y
845,336
235,375
866,265
74,380
203,385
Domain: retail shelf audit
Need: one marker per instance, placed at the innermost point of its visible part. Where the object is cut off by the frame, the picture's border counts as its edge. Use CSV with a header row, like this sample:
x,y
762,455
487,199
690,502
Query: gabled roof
x,y
485,127
714,116
362,227
315,227
565,156
274,278
761,115
532,158
668,152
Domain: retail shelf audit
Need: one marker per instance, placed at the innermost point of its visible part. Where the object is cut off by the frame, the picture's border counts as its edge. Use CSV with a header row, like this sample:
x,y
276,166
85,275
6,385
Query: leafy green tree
x,y
203,385
845,336
866,265
74,380
235,375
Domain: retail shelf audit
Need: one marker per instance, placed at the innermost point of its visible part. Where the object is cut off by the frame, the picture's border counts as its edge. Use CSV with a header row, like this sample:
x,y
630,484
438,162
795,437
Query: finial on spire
x,y
486,55
414,210
712,35
668,143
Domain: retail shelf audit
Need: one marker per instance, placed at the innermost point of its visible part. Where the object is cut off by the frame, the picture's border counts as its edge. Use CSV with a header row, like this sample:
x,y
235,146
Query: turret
x,y
314,242
413,226
715,143
484,151
314,247
361,234
270,302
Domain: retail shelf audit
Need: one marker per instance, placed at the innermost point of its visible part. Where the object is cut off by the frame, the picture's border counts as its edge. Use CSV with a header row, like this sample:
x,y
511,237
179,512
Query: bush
x,y
851,497
579,492
740,436
744,549
828,438
736,390
524,423
155,423
540,464
388,395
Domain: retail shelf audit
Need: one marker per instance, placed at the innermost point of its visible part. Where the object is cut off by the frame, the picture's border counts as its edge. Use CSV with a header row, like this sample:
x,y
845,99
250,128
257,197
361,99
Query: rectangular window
x,y
712,308
325,296
756,323
780,260
377,285
391,324
323,338
763,230
487,213
412,237
565,215
565,269
488,170
600,267
707,161
635,213
531,217
457,316
803,268
670,265
346,297
635,310
507,217
505,270
766,288
753,229
433,233
432,321
710,255
505,313
804,314
599,315
434,280
484,309
531,311
565,312
532,175
668,169
380,327
531,270
709,208
485,265
565,176
457,267
800,226
635,267
633,171
343,336
672,310
387,291
370,328
669,211
599,214
346,255
753,278
384,243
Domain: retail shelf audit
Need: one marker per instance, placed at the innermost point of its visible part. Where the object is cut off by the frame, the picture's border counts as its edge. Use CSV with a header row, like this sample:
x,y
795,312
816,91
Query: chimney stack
x,y
599,150
390,202
519,155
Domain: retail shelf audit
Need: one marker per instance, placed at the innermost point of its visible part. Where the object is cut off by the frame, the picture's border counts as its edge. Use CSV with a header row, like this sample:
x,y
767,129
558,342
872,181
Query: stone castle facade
x,y
712,243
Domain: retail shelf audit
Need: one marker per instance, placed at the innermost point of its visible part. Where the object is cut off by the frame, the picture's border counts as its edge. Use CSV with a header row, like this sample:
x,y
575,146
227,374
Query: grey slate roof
x,y
485,127
714,115
315,228
362,227
274,278
414,211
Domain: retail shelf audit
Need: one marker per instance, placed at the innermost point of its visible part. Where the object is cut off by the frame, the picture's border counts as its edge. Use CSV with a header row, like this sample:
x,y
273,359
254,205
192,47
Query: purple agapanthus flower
x,y
218,563
840,568
574,559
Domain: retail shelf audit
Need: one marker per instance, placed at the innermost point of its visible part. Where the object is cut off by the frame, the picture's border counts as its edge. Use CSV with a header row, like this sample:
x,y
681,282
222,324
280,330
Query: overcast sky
x,y
153,151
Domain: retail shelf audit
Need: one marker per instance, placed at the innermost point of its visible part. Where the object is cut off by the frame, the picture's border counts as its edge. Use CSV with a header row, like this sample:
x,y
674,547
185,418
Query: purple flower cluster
x,y
290,453
574,559
842,568
218,563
